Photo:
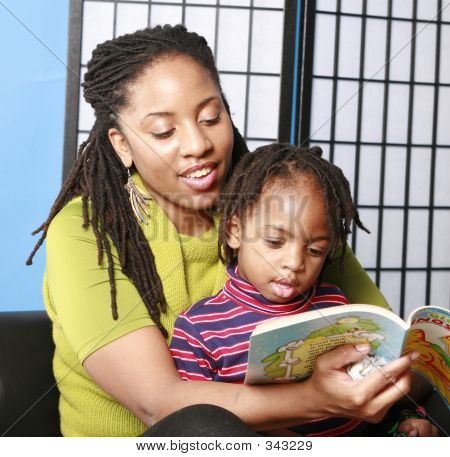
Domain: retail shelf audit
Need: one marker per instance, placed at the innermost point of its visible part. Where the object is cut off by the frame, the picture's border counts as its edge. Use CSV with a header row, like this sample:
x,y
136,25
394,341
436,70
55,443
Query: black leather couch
x,y
28,392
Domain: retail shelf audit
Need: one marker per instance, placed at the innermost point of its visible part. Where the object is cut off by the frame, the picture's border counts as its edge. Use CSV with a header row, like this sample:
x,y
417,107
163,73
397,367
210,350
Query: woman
x,y
131,242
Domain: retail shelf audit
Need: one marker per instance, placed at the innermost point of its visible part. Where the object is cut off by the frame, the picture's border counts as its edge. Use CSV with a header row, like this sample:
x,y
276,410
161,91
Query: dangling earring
x,y
138,199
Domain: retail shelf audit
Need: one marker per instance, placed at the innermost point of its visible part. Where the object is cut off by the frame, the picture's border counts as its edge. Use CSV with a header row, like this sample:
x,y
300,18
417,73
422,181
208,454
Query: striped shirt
x,y
211,339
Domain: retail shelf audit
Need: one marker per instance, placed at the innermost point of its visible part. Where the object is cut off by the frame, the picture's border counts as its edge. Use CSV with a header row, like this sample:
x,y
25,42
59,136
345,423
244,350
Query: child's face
x,y
283,242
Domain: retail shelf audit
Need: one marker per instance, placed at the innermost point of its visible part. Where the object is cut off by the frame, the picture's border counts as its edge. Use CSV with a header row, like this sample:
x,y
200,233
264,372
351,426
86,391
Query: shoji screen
x,y
245,35
378,102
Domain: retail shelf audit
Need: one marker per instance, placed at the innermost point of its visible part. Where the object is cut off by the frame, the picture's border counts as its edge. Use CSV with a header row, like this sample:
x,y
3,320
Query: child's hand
x,y
417,427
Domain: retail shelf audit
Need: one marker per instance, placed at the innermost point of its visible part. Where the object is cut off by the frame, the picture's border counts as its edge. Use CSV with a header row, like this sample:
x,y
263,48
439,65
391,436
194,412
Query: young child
x,y
285,211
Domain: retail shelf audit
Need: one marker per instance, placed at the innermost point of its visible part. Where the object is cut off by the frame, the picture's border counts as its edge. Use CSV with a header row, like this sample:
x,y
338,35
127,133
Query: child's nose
x,y
294,262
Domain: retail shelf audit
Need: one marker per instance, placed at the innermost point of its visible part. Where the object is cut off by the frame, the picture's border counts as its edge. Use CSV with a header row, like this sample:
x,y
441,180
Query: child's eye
x,y
273,243
212,121
315,252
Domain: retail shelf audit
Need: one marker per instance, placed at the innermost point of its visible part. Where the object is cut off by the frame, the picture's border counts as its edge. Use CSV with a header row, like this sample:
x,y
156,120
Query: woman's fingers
x,y
378,405
387,375
342,356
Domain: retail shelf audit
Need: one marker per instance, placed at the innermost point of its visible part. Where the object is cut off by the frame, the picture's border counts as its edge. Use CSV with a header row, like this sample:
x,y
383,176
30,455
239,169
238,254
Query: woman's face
x,y
177,133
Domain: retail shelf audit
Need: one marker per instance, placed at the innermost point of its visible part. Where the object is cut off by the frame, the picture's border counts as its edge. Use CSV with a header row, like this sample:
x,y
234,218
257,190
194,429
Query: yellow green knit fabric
x,y
77,298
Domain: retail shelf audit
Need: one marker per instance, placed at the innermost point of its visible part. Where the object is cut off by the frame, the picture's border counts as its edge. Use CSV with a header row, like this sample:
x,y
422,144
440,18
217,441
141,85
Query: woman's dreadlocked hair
x,y
284,163
99,176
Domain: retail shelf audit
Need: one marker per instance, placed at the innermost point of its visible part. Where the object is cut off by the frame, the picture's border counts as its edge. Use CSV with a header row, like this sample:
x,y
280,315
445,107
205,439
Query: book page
x,y
430,335
289,353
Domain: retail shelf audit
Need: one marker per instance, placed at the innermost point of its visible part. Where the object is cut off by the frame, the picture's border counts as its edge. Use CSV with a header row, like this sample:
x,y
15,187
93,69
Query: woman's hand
x,y
368,399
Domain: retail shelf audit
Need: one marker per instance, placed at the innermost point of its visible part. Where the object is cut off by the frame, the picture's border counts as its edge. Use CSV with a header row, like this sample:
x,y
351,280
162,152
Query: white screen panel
x,y
400,56
86,116
398,103
427,9
322,91
202,21
417,238
422,128
252,144
346,110
394,176
444,70
410,110
351,6
414,290
81,138
324,36
234,88
366,245
443,127
391,252
233,39
349,47
425,54
98,26
372,112
326,5
263,107
419,183
445,12
440,288
235,2
131,17
442,178
163,14
390,282
344,158
269,3
377,7
402,8
441,238
267,41
375,48
369,175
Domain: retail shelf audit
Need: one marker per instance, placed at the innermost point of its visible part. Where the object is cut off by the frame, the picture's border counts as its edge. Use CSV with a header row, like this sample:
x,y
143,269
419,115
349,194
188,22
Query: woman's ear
x,y
234,232
120,145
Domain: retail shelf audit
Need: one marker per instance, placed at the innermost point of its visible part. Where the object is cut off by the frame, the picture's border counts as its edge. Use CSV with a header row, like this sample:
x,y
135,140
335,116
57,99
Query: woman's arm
x,y
354,281
138,372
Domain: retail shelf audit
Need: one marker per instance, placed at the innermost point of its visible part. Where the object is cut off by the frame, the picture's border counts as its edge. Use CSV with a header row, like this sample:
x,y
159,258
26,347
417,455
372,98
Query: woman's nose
x,y
194,142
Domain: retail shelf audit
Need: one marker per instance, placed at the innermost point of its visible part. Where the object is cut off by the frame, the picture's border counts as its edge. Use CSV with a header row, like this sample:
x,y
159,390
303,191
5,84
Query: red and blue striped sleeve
x,y
190,352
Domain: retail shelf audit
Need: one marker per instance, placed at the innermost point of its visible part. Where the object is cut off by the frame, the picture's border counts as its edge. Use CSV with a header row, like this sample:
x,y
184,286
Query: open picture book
x,y
285,349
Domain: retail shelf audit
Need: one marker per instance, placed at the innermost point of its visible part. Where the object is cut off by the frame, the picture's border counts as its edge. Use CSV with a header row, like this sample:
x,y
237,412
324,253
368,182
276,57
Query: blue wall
x,y
32,94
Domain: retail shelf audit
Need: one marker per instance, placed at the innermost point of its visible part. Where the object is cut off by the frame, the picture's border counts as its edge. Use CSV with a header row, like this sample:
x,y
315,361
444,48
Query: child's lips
x,y
284,288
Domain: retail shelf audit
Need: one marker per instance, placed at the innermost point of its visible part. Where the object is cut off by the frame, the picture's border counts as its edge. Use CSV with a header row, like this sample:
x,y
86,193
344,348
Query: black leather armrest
x,y
28,394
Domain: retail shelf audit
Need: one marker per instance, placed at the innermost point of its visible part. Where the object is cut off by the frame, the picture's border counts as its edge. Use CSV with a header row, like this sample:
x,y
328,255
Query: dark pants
x,y
200,420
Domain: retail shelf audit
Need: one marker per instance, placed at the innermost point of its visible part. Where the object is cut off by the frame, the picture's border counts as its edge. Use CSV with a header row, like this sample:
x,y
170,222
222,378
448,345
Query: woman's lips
x,y
202,183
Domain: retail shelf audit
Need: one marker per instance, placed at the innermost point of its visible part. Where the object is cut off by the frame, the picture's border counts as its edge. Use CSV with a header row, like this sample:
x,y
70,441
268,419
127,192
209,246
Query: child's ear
x,y
234,233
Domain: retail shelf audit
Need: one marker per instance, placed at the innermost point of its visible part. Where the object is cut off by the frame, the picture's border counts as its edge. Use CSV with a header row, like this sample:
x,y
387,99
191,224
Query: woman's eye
x,y
274,243
163,135
211,121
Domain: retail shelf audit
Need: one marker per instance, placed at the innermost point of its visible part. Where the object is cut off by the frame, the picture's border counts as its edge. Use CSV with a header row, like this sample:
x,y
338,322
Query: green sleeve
x,y
78,295
354,281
